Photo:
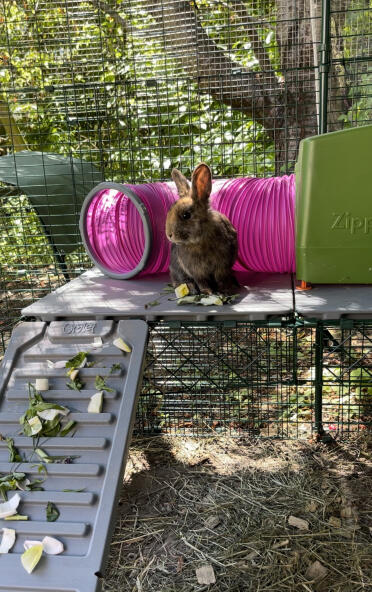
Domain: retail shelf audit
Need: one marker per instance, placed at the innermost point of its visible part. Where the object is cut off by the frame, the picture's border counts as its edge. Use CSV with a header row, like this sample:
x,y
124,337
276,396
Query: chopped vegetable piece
x,y
115,368
121,344
96,402
189,300
75,385
67,428
101,385
97,342
52,512
52,546
73,372
8,540
152,303
35,425
43,455
50,414
182,290
59,364
210,300
14,455
77,361
42,384
9,508
31,557
28,544
16,517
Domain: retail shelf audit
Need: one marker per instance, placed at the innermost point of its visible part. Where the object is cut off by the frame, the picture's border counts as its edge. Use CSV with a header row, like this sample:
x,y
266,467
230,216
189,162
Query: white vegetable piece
x,y
182,290
8,540
96,402
50,414
97,342
120,344
52,546
59,364
42,384
9,508
72,373
31,557
210,300
35,425
28,544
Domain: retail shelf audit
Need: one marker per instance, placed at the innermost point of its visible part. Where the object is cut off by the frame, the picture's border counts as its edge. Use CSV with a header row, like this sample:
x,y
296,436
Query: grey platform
x,y
328,302
100,441
93,295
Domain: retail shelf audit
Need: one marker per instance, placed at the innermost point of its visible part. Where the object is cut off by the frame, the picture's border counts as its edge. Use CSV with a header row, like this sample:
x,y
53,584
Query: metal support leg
x,y
319,343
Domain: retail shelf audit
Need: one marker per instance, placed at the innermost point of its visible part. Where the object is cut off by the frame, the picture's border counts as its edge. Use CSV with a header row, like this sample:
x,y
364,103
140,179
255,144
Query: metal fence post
x,y
319,343
324,66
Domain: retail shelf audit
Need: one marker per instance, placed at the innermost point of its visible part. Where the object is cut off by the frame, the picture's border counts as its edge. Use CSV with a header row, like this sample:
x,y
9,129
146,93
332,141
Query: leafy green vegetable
x,y
114,368
73,490
44,427
67,428
101,385
151,304
75,385
52,512
77,361
16,517
17,481
14,455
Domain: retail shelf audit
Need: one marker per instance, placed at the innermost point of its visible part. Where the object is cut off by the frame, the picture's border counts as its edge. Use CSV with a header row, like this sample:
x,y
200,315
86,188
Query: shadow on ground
x,y
224,503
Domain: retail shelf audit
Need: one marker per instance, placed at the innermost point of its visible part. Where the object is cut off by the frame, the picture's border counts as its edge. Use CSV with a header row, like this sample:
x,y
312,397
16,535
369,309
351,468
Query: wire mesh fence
x,y
289,381
136,87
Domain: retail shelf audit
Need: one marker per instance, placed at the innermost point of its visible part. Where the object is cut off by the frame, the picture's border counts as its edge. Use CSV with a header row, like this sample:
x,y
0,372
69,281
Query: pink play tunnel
x,y
123,226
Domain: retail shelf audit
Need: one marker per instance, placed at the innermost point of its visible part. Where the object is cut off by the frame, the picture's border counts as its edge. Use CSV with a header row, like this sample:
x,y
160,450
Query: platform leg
x,y
319,344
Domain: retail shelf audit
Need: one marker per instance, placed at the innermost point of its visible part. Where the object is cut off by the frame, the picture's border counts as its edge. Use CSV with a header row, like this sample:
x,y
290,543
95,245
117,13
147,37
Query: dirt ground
x,y
244,515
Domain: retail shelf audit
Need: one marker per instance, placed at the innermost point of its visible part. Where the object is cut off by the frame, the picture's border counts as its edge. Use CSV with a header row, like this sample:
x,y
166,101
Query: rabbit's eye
x,y
186,215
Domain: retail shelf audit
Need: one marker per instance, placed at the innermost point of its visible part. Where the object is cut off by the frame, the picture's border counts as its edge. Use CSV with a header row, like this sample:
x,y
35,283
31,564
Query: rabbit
x,y
204,242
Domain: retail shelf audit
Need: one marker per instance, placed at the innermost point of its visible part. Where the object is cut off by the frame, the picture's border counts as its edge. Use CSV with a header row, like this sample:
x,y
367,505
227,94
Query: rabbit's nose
x,y
170,234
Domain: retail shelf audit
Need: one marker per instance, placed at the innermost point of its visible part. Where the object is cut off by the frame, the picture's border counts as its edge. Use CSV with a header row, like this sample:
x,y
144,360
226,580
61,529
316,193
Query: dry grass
x,y
225,503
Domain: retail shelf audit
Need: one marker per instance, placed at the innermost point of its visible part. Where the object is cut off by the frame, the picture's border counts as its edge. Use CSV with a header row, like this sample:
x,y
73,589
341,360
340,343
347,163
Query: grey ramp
x,y
329,302
101,442
94,295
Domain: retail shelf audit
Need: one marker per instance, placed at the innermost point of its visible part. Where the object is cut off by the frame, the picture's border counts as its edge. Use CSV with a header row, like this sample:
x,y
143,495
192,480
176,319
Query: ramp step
x,y
67,443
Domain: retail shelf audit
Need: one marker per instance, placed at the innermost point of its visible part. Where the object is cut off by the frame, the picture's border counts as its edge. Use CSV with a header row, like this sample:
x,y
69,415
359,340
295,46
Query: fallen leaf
x,y
212,522
298,523
311,507
179,564
281,544
316,571
205,575
334,521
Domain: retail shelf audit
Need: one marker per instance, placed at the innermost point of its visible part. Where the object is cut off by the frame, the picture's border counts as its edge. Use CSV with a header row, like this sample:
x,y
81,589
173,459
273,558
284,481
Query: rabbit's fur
x,y
204,242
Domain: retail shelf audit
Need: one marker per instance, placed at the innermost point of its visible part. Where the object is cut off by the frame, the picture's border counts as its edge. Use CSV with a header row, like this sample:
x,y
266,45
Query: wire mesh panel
x,y
231,378
347,378
139,86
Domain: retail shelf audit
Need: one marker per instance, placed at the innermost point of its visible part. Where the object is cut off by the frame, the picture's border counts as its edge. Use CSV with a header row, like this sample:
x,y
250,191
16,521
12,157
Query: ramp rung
x,y
61,372
62,498
58,396
82,418
38,528
55,469
66,443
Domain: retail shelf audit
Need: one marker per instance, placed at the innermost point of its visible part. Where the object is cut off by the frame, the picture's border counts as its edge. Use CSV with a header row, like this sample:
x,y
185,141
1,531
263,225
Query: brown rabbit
x,y
204,242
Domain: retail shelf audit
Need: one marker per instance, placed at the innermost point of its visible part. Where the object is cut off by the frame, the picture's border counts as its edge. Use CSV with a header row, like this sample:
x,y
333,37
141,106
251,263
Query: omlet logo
x,y
353,224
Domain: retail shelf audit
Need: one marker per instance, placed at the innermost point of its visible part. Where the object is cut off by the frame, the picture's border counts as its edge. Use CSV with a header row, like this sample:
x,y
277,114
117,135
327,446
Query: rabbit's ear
x,y
181,182
201,183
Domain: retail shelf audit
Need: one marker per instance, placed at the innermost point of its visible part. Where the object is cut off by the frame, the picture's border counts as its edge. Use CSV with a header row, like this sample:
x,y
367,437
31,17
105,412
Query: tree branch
x,y
229,82
107,9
